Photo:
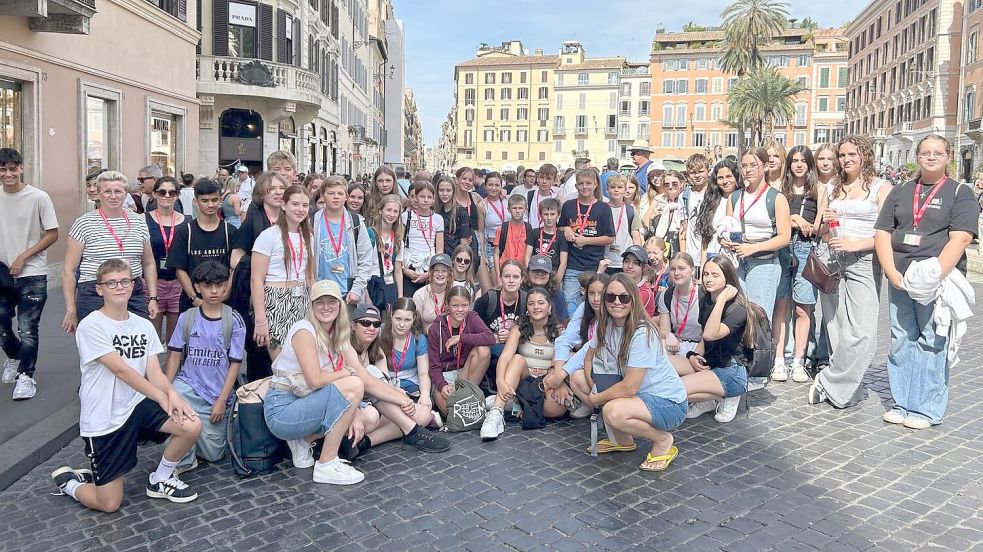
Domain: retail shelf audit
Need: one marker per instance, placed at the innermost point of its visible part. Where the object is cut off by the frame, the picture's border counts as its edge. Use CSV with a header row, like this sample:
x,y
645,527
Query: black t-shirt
x,y
539,240
256,221
719,353
599,222
157,245
490,310
188,252
461,230
952,208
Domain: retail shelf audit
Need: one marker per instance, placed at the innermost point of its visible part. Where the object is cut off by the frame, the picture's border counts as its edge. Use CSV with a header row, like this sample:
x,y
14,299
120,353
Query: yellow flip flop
x,y
605,445
667,458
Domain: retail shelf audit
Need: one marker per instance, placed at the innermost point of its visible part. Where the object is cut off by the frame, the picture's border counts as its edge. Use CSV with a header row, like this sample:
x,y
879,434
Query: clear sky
x,y
442,33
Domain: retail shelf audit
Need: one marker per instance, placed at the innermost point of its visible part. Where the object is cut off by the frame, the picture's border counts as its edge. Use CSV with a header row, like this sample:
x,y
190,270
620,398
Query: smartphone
x,y
736,237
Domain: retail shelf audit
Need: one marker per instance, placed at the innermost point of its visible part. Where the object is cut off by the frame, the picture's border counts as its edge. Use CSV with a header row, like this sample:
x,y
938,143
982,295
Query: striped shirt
x,y
99,245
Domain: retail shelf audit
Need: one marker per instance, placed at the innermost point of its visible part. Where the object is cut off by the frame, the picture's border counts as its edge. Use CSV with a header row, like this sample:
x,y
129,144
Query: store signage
x,y
242,14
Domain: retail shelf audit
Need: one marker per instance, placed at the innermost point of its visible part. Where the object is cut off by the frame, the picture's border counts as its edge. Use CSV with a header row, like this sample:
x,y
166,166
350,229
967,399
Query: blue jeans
x,y
26,301
211,443
917,367
666,415
759,280
571,290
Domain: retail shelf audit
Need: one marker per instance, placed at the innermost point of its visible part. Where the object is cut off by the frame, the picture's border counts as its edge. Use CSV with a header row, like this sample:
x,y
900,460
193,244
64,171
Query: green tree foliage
x,y
761,97
748,26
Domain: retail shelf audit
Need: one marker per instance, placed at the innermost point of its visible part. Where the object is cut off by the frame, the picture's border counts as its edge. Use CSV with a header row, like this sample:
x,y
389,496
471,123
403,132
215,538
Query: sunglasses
x,y
463,260
143,179
622,298
369,323
167,193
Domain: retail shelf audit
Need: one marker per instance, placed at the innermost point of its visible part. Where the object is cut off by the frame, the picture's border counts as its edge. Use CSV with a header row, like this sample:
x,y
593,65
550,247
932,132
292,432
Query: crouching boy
x,y
206,350
125,398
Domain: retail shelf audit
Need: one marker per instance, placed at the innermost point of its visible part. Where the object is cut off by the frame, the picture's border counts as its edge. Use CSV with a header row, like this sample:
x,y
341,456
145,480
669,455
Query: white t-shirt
x,y
532,210
694,244
422,241
270,244
246,193
496,212
27,215
106,401
568,190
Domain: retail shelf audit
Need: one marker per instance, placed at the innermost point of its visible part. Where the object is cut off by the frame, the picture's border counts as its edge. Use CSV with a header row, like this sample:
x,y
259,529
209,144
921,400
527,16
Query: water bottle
x,y
834,232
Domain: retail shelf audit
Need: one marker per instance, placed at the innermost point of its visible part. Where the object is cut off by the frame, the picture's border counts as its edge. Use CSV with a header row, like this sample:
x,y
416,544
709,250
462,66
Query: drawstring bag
x,y
465,407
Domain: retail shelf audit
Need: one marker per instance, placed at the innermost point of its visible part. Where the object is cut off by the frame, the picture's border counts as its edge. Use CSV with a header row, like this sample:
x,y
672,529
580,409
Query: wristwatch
x,y
152,298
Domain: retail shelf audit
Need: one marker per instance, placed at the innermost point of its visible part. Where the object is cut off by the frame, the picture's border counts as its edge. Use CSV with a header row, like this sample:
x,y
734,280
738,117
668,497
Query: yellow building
x,y
504,101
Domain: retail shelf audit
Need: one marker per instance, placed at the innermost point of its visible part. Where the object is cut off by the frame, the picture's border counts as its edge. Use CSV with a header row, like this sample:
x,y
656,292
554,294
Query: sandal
x,y
605,446
667,458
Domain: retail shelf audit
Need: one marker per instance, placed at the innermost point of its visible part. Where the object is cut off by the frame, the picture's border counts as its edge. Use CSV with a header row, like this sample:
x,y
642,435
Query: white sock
x,y
797,361
164,470
328,463
779,361
71,486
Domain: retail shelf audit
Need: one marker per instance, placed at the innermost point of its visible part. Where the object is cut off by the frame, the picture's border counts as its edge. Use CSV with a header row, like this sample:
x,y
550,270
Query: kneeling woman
x,y
315,388
710,372
458,345
528,352
649,401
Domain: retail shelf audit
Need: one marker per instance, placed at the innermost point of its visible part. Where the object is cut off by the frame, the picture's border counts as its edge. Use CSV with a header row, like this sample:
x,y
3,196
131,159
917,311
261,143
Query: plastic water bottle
x,y
834,232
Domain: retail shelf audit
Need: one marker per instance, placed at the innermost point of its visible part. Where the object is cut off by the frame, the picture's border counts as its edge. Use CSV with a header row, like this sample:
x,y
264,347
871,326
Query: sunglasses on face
x,y
369,323
167,193
622,298
143,179
463,260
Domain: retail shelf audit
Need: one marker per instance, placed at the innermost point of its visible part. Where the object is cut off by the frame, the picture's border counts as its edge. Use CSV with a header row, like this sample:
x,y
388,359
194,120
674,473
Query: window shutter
x,y
264,14
182,10
220,28
297,43
282,53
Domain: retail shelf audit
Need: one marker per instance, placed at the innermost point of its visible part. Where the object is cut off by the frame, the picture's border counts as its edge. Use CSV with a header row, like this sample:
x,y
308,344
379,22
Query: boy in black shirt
x,y
548,240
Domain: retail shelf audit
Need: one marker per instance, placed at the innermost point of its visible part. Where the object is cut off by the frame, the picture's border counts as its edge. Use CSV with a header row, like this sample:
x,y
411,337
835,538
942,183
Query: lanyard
x,y
438,307
168,240
536,197
546,250
295,258
591,329
689,306
501,306
419,225
658,278
499,212
341,234
335,366
916,212
450,330
582,218
621,216
397,366
112,232
764,188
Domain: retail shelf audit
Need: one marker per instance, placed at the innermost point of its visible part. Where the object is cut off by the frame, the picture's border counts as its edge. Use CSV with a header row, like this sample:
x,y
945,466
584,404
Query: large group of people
x,y
368,305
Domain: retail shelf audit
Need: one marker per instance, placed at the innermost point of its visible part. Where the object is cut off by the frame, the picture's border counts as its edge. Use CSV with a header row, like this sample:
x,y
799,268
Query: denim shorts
x,y
410,387
733,379
293,417
785,279
666,415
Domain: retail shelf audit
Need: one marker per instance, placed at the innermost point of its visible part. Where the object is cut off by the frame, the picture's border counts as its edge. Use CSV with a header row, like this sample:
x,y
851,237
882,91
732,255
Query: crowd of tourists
x,y
371,313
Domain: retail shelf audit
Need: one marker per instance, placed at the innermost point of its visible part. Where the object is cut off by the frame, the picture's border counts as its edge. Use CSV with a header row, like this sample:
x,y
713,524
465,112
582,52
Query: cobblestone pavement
x,y
787,476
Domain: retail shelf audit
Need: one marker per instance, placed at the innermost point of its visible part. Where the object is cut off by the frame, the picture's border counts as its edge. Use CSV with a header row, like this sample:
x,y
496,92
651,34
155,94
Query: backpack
x,y
253,448
189,321
465,407
761,359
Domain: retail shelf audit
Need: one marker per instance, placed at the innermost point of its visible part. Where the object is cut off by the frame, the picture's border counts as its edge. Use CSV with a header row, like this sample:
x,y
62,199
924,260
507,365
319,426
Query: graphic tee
x,y
590,221
207,364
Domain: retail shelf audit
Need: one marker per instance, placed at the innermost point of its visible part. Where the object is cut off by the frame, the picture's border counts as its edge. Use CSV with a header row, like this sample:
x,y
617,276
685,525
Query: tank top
x,y
228,212
496,213
472,210
857,216
804,206
539,357
757,222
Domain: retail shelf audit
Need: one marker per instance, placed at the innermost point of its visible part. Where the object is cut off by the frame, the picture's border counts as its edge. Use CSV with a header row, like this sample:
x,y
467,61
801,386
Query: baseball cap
x,y
441,259
365,311
639,253
242,168
323,288
541,263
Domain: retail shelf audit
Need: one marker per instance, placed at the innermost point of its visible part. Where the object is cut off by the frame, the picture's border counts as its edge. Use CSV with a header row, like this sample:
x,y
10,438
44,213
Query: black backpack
x,y
253,448
761,359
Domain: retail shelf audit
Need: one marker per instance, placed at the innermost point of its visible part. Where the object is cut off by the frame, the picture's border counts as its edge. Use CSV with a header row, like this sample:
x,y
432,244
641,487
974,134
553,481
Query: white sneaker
x,y
493,426
337,472
799,374
727,409
754,384
26,388
300,450
698,409
10,370
780,371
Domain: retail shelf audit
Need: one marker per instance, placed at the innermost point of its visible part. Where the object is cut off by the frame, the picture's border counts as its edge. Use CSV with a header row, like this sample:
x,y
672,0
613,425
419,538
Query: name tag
x,y
912,239
297,291
163,263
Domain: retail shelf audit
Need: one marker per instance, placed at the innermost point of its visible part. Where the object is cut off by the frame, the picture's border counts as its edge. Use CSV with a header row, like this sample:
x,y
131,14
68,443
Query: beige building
x,y
970,150
414,152
80,90
503,99
634,108
904,74
444,153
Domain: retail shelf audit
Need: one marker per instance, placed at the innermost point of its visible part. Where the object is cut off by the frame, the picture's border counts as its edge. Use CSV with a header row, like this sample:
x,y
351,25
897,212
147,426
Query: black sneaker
x,y
172,489
63,475
426,440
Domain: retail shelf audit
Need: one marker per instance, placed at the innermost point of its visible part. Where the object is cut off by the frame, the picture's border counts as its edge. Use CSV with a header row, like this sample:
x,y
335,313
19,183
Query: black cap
x,y
441,259
365,311
541,263
639,253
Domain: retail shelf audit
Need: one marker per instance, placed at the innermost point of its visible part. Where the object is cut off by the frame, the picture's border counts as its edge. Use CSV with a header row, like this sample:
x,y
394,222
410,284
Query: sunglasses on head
x,y
463,260
369,323
622,298
167,193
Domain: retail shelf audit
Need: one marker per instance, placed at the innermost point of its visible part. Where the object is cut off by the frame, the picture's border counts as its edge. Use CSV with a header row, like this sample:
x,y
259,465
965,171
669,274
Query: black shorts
x,y
114,454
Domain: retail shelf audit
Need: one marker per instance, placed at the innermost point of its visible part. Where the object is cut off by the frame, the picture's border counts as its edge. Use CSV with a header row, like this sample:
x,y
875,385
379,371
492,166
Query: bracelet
x,y
152,298
691,354
265,324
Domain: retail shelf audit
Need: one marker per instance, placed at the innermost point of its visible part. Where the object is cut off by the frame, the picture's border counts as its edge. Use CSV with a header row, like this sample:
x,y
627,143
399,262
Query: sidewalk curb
x,y
27,450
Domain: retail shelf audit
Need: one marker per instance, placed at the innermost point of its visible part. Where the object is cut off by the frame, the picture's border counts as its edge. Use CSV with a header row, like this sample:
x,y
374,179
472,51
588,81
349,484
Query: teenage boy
x,y
545,187
587,224
510,241
206,237
125,399
547,240
697,169
206,350
342,256
28,228
284,164
627,225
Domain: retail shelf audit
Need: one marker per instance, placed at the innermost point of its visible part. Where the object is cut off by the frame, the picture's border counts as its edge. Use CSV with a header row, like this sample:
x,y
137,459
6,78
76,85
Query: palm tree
x,y
749,25
762,96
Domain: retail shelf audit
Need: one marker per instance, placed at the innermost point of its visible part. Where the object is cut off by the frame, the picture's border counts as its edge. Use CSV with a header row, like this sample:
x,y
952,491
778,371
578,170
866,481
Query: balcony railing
x,y
580,130
296,83
559,130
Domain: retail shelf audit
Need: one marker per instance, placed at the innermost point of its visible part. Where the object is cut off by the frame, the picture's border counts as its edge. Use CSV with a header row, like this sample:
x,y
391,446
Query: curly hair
x,y
525,324
867,173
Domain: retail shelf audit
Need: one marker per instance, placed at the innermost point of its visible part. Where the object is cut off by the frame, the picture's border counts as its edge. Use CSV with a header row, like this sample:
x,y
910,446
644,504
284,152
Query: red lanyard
x,y
438,308
536,197
336,366
617,225
168,240
295,258
419,225
591,329
916,212
450,330
516,245
689,306
501,306
112,232
582,218
397,366
499,212
659,277
341,233
764,188
546,250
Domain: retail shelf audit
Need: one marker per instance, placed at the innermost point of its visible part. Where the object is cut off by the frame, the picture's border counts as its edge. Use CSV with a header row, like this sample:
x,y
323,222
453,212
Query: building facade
x,y
970,151
395,114
827,123
78,93
904,74
444,152
634,107
414,151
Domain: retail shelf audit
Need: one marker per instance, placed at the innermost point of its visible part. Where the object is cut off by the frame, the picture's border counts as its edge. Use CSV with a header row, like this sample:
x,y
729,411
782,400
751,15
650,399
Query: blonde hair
x,y
281,156
336,340
111,176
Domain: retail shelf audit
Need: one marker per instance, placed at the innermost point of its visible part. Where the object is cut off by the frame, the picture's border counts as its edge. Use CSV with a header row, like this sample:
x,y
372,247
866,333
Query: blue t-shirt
x,y
646,352
407,368
333,265
207,365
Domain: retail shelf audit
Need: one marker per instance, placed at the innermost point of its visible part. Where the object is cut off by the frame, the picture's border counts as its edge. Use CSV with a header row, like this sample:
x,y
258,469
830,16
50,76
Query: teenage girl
x,y
423,238
679,308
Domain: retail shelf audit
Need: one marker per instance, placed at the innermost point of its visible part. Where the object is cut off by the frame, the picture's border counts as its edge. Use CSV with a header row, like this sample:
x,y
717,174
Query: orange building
x,y
969,152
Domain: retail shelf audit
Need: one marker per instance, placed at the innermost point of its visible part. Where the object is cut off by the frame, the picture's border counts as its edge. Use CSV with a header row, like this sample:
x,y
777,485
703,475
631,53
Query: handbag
x,y
820,275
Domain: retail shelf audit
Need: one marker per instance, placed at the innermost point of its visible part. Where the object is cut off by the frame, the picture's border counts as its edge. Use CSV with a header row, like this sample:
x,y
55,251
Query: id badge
x,y
615,248
296,291
337,269
912,239
163,263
